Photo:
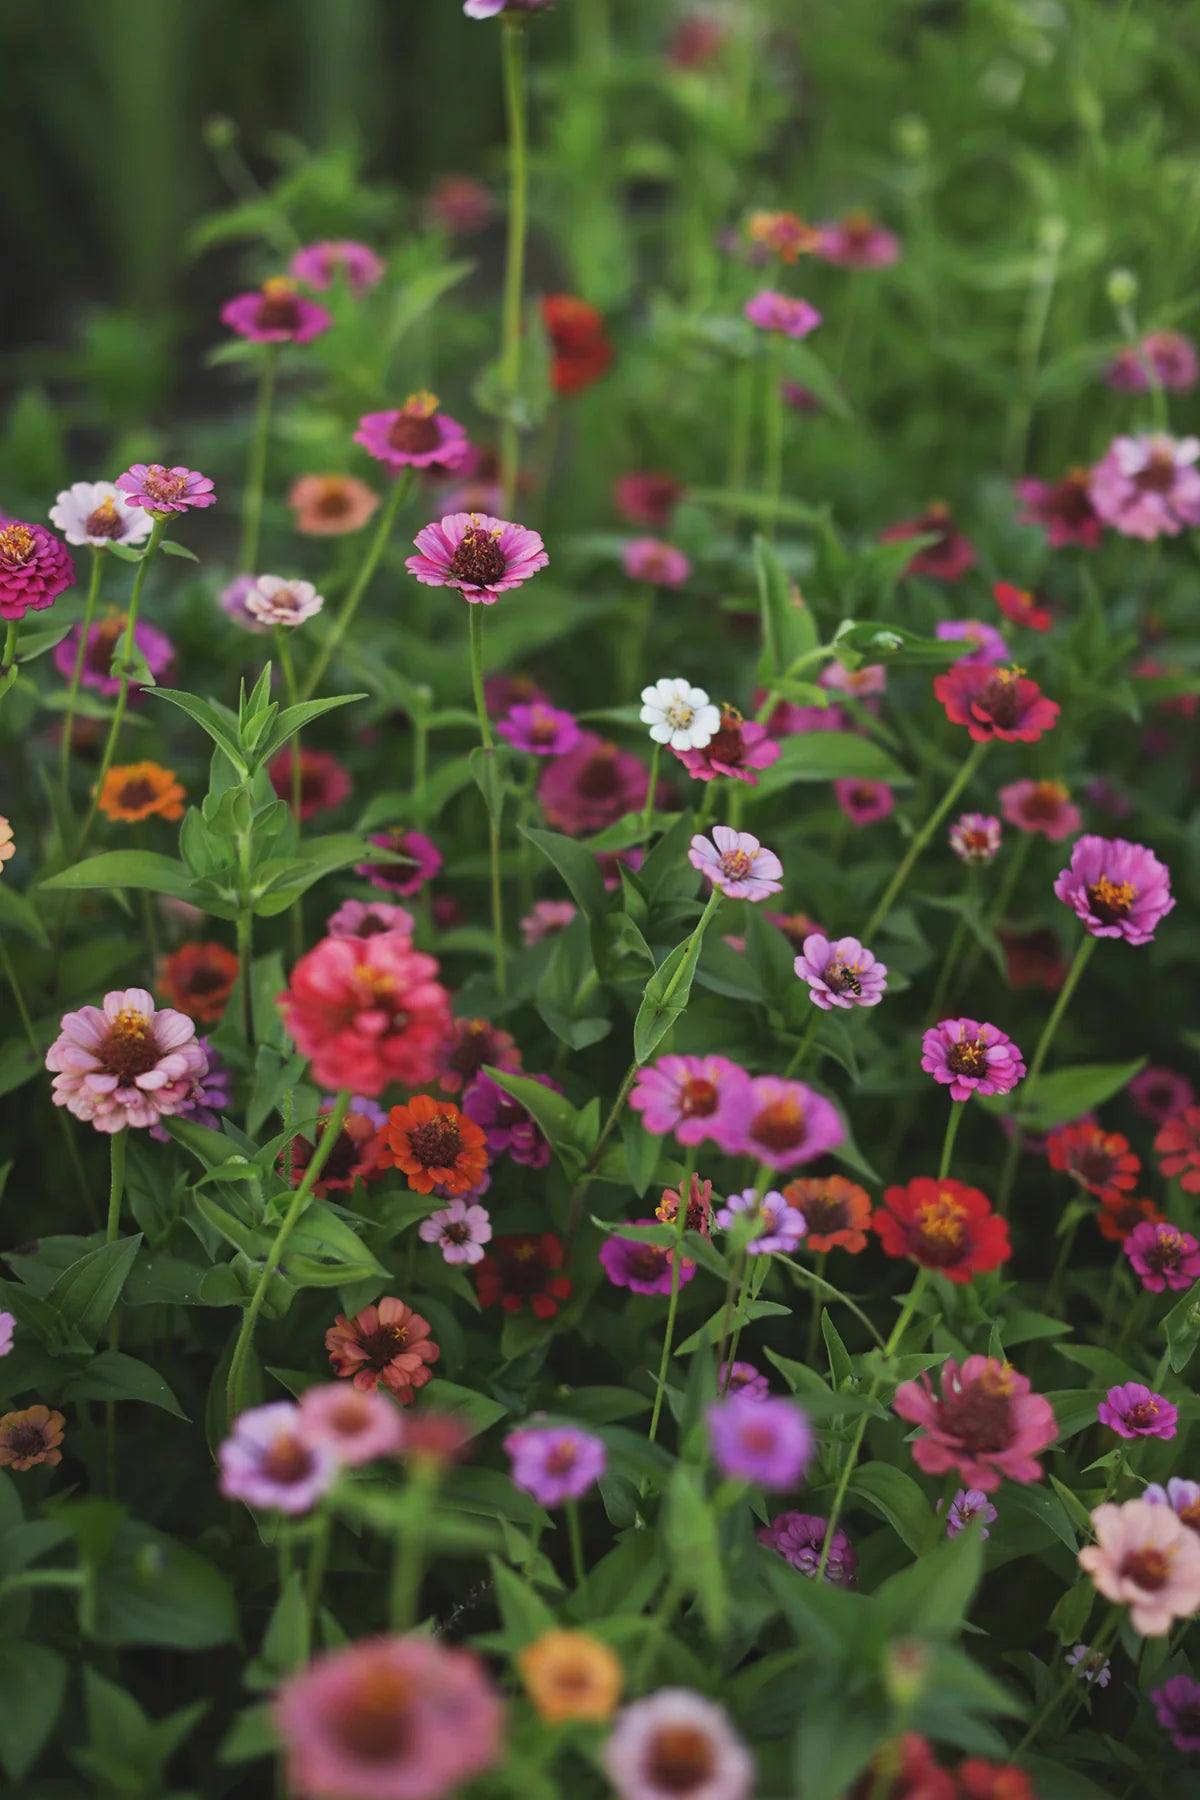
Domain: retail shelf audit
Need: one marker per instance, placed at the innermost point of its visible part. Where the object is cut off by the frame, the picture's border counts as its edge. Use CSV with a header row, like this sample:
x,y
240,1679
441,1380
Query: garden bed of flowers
x,y
598,945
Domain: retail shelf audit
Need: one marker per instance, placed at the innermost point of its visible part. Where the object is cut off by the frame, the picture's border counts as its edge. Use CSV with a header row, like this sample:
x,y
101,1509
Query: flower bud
x,y
1121,287
911,137
905,1671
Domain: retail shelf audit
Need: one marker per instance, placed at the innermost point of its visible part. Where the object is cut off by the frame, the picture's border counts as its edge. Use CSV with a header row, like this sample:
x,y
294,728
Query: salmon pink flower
x,y
414,436
800,1537
975,837
8,848
356,1428
318,265
331,505
994,702
1163,1256
1041,806
987,1423
97,513
540,730
1177,1704
434,1145
1178,1147
277,314
984,643
1117,888
780,312
7,1325
856,241
645,497
696,1097
644,1268
1146,1559
779,1226
1021,607
859,684
460,1230
967,1056
198,979
105,637
387,1343
1063,509
841,973
1147,486
784,1123
34,569
126,1065
1131,1410
944,1226
737,748
163,491
836,1212
737,863
864,802
1162,359
31,1437
522,1268
276,600
676,1745
269,1461
367,1012
582,351
133,792
422,860
649,559
481,556
767,1441
1100,1161
949,556
1160,1093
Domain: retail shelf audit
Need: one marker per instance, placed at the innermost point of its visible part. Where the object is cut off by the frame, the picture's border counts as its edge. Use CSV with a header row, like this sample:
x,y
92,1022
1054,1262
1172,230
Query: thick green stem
x,y
922,837
8,665
513,52
89,613
256,468
957,1109
773,435
485,734
1082,956
648,809
362,580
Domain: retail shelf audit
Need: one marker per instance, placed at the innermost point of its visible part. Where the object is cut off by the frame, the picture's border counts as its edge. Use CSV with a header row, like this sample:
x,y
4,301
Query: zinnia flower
x,y
522,1268
696,1097
269,1460
1117,888
995,703
389,1718
324,783
975,837
274,600
459,204
8,848
1178,1147
650,560
1168,356
31,1437
864,802
592,786
859,684
331,505
555,1462
136,791
387,1343
1131,1410
946,559
643,1268
841,973
676,1745
1040,806
1100,1161
460,1230
163,491
97,513
1021,607
540,730
34,569
509,1127
784,234
836,1212
769,1442
276,314
1163,1256
737,748
1147,486
367,1012
1120,1214
986,1423
104,638
679,715
1160,1093
481,556
355,1428
369,918
984,643
414,436
779,1226
800,1537
198,979
582,352
967,1056
357,1153
742,1378
780,312
547,919
737,863
698,1205
942,1225
1177,1704
125,1065
1090,1666
7,1325
1063,509
646,497
570,1675
435,1145
980,1780
421,861
856,241
1183,1497
968,1504
318,265
784,1123
1146,1559
475,1043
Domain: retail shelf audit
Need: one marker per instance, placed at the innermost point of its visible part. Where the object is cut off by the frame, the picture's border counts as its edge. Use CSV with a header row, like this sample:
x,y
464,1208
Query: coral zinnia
x,y
995,703
125,1065
34,569
1100,1161
331,505
1117,888
987,1423
1120,1214
30,1437
198,979
143,790
435,1145
1178,1146
522,1268
387,1343
836,1212
582,352
942,1225
1021,607
367,1012
481,556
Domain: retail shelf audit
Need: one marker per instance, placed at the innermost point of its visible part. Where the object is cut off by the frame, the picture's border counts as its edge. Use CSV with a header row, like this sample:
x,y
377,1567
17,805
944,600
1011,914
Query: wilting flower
x,y
864,802
1160,1093
582,351
276,314
555,1462
547,919
97,513
836,1212
331,505
737,863
1021,607
414,436
995,703
975,837
1131,1410
856,241
460,1230
1162,359
784,234
389,1718
570,1675
737,748
434,1145
459,204
324,783
986,1423
743,1380
944,1226
126,1065
540,730
508,1125
984,643
318,265
696,1097
522,1268
1117,888
679,715
355,1428
31,1437
968,1504
946,559
198,979
1178,1147
783,1123
1062,509
269,1460
481,556
662,565
1147,486
103,639
367,1012
1147,1559
676,1745
136,791
275,600
769,1442
592,786
966,1057
1163,1256
1040,806
644,1268
421,861
34,569
1090,1666
780,312
1177,1704
841,973
799,1538
163,491
387,1343
647,498
1100,1161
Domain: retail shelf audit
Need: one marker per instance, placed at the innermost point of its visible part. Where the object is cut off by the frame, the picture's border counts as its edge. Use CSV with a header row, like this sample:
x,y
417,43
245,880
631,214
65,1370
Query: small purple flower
x,y
1160,1093
985,643
509,1127
540,730
1163,1256
1132,1411
7,1325
780,1226
1117,888
423,860
369,918
1089,1666
276,314
969,1057
643,1268
769,1442
105,639
269,1461
368,1109
968,1504
696,1097
555,1462
317,265
780,312
841,973
415,436
744,1380
162,491
1177,1704
232,601
736,862
799,1537
1183,1498
975,837
460,1229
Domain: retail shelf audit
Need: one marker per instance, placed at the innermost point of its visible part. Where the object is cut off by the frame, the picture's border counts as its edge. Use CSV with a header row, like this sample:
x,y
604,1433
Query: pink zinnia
x,y
547,919
662,565
975,837
593,786
422,860
481,556
946,559
367,1012
696,1097
34,569
983,641
1041,806
414,436
1163,1256
317,265
968,1057
161,490
1167,355
356,1428
783,1123
128,1065
1132,1410
841,973
987,1423
389,1718
276,314
1145,1558
647,498
676,1745
857,242
864,802
1147,486
779,312
1117,888
739,747
995,703
368,918
1063,509
324,783
270,1461
540,730
737,863
1160,1093
104,637
857,683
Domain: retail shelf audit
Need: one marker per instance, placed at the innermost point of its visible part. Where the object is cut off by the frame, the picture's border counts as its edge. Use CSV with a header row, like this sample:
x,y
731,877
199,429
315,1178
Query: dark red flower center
x,y
128,1048
1189,1515
1111,901
647,1261
999,700
101,644
340,1164
26,1440
456,1231
105,522
1166,1253
372,1723
137,793
698,1097
1158,476
1045,800
383,1345
679,1759
437,1142
206,978
478,559
288,1461
968,1057
278,309
780,1126
1149,1568
979,1416
475,1045
1070,498
333,501
824,1212
414,432
599,778
526,1267
17,544
1142,1415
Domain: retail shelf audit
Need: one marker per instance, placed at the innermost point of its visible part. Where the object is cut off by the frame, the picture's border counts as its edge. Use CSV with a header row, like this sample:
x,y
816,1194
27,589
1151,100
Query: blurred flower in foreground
x,y
676,1745
570,1675
1062,509
582,351
1147,1559
319,265
987,1422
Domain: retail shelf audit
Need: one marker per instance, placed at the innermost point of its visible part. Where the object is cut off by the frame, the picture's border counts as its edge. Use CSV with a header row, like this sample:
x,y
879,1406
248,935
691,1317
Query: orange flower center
x,y
334,498
128,1048
779,1126
372,1723
1045,800
1111,900
980,1416
16,543
679,1759
941,1229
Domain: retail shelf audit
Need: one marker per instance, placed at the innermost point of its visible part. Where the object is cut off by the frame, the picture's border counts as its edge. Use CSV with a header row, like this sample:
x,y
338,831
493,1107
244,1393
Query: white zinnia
x,y
97,513
276,601
679,714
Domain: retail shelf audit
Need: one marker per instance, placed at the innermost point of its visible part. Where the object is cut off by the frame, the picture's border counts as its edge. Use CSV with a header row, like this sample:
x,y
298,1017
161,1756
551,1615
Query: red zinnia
x,y
355,1155
1100,1161
582,353
1019,605
435,1145
387,1343
994,702
948,557
1178,1146
198,979
909,1770
523,1267
979,1780
1120,1214
942,1225
1033,959
837,1212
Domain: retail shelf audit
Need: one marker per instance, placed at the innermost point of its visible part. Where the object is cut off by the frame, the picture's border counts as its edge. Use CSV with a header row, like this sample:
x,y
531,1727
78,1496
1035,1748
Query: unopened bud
x,y
905,1671
911,137
220,132
1121,287
1052,233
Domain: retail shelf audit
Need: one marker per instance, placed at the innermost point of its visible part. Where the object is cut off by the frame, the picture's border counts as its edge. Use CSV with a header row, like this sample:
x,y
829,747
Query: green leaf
x,y
578,867
934,1594
876,642
170,547
475,1412
489,771
525,1616
17,912
788,628
293,719
896,1497
33,1681
665,997
151,1590
1058,1098
690,1541
1182,1327
830,756
801,363
553,1113
114,1376
128,869
86,1293
217,721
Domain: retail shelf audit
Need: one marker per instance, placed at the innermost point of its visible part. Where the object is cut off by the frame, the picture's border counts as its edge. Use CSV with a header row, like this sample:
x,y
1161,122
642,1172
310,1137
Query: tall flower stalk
x,y
1063,1000
489,746
513,54
367,568
85,631
256,467
895,886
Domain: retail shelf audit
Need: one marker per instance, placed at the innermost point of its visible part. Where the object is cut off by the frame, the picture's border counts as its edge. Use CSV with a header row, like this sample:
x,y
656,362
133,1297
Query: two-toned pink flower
x,y
1117,888
481,556
414,436
737,863
695,1097
841,973
971,1057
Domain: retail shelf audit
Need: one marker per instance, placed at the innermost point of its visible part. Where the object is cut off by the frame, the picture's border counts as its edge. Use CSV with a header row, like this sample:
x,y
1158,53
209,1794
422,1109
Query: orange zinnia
x,y
836,1212
571,1675
142,790
198,979
30,1437
435,1145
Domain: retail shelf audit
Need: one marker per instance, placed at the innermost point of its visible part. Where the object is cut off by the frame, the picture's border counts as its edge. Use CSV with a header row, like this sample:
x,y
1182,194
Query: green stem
x,y
89,612
8,666
485,734
362,580
800,1053
895,886
1029,348
297,776
1079,964
673,1302
513,55
818,1310
1104,1637
256,468
116,1188
245,1338
957,1109
773,436
575,1533
808,1277
737,471
648,810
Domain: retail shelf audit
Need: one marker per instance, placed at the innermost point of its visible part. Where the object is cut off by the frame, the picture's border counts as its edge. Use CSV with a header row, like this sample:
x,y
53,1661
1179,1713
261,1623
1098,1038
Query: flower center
x,y
456,1231
824,1212
1142,1415
968,1057
679,1759
1149,1568
105,522
647,1261
599,778
206,978
1045,800
779,1126
137,794
384,1345
26,1440
727,746
128,1048
980,1416
414,431
679,715
285,600
475,1047
697,1097
372,1723
843,977
1167,1252
976,842
941,1229
1158,476
288,1461
1111,900
278,307
16,543
736,864
999,699
478,559
437,1142
160,484
562,1458
543,726
1189,1515
342,1160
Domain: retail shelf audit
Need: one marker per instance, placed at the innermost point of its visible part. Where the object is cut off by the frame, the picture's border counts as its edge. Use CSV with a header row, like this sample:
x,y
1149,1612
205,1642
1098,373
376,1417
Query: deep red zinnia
x,y
582,352
1100,1161
521,1269
944,1226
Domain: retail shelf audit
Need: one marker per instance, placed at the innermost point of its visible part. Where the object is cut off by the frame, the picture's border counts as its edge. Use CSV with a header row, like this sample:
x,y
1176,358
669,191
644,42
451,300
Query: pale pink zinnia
x,y
354,1427
676,1745
1148,486
737,863
1145,1558
987,1423
649,559
841,973
128,1064
481,556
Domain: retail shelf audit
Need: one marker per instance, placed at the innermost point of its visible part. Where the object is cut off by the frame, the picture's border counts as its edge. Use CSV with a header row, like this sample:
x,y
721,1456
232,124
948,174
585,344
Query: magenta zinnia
x,y
969,1057
1117,888
481,556
34,569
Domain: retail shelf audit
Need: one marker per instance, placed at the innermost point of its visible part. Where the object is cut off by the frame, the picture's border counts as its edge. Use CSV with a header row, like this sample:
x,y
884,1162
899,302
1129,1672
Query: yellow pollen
x,y
16,543
275,287
1115,895
421,406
